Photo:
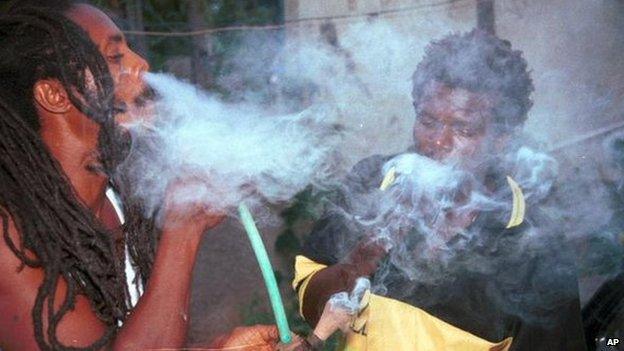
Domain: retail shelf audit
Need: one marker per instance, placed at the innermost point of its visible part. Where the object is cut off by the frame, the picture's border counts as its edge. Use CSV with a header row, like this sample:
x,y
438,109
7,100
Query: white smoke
x,y
229,153
245,154
351,301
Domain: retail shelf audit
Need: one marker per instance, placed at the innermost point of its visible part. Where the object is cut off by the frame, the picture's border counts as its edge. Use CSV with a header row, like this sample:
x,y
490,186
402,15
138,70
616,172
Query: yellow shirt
x,y
387,324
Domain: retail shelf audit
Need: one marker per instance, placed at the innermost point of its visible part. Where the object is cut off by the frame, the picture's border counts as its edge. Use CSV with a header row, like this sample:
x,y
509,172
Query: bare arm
x,y
362,262
159,320
161,316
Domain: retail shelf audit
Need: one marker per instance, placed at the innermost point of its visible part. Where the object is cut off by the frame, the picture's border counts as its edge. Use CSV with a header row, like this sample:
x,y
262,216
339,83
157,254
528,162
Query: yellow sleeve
x,y
518,205
305,268
388,324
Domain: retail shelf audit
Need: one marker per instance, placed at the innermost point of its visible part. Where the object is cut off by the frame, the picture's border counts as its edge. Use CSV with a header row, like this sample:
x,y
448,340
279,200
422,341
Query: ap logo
x,y
613,342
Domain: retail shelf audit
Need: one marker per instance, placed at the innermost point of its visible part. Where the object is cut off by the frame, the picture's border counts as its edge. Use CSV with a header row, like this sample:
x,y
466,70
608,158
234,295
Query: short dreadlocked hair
x,y
68,241
479,62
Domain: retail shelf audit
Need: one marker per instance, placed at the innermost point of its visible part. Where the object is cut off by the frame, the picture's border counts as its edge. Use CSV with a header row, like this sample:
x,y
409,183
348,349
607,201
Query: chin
x,y
96,169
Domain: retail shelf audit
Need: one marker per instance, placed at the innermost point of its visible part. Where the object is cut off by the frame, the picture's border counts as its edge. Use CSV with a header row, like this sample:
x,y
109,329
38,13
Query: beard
x,y
115,143
126,155
122,149
147,95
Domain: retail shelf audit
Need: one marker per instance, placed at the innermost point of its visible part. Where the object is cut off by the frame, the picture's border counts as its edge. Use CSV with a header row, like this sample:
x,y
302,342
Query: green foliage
x,y
287,242
4,6
306,208
307,205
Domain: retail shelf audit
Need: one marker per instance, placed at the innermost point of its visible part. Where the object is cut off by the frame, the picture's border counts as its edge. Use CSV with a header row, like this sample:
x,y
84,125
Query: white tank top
x,y
135,289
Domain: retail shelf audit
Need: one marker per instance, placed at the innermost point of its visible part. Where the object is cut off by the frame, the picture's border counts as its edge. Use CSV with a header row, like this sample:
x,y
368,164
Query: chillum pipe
x,y
267,269
267,273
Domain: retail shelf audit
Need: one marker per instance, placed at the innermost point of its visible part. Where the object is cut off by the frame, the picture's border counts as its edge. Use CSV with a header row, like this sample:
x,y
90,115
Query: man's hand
x,y
186,209
365,257
334,318
255,338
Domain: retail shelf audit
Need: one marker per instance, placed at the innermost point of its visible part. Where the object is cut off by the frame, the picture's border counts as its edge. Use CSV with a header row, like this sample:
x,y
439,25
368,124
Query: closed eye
x,y
427,121
116,59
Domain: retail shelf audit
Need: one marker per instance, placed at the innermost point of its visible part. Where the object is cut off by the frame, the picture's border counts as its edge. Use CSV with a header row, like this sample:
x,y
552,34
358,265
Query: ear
x,y
51,96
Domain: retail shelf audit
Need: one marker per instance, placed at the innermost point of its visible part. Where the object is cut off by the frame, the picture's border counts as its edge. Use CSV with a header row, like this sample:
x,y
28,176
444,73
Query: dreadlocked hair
x,y
140,230
67,240
142,236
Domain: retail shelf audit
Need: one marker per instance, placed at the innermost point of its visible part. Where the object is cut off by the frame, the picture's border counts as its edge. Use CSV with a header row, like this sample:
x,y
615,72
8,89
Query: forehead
x,y
100,27
444,101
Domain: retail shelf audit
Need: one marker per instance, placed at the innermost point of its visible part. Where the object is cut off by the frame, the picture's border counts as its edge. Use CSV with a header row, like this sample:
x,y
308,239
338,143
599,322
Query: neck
x,y
72,140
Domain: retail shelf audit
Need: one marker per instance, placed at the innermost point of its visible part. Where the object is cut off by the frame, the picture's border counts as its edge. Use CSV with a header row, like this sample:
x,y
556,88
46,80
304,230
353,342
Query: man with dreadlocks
x,y
457,246
66,70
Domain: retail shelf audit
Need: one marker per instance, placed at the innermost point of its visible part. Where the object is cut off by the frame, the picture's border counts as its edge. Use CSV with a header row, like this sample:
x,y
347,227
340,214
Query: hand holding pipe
x,y
267,270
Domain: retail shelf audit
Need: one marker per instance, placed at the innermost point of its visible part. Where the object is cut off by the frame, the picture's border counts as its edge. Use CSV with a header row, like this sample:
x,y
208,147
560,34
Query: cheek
x,y
127,88
124,87
84,132
420,135
115,70
134,114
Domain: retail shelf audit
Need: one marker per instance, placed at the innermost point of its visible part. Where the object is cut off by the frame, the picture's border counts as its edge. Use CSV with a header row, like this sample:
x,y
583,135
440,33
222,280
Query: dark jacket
x,y
529,294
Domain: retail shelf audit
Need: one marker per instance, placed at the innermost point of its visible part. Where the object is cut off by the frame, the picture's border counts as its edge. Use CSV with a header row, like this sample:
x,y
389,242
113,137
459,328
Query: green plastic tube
x,y
267,273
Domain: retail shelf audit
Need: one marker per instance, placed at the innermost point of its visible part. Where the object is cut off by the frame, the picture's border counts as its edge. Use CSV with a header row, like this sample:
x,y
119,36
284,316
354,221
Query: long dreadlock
x,y
67,239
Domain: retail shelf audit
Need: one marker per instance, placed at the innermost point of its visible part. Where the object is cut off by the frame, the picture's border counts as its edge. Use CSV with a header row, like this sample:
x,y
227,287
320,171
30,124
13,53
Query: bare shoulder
x,y
18,291
18,288
10,264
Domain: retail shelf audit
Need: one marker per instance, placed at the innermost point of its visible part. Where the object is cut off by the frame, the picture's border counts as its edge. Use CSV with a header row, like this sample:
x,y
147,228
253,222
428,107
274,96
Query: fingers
x,y
186,205
269,333
259,336
219,341
296,344
334,317
256,338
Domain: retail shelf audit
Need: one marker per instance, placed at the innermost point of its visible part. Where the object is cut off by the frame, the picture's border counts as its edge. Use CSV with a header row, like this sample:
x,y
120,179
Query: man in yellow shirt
x,y
476,280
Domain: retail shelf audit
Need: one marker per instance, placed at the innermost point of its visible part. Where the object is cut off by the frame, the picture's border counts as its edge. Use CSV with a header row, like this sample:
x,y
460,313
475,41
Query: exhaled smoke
x,y
351,302
365,75
223,154
442,224
440,221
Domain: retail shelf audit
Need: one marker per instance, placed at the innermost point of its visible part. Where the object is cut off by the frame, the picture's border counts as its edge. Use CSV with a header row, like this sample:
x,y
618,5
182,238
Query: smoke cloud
x,y
336,103
225,154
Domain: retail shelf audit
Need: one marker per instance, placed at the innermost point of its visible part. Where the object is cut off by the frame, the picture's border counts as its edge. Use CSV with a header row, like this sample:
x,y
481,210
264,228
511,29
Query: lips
x,y
147,94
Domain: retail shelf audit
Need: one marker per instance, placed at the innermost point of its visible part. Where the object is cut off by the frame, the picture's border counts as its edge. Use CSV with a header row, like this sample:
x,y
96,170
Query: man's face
x,y
126,66
452,124
127,69
455,126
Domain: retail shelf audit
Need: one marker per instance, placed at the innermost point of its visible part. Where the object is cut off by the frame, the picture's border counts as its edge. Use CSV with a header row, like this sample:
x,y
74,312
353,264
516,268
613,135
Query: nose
x,y
137,65
443,139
